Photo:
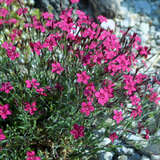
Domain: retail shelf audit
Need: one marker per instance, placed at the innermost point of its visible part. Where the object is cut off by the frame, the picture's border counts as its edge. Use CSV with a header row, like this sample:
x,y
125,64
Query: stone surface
x,y
108,8
106,156
135,157
144,27
105,142
145,158
142,6
110,24
155,157
122,157
125,150
158,41
153,149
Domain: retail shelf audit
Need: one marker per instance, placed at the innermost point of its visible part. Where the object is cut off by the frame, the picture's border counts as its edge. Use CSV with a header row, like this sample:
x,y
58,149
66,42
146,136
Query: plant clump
x,y
63,79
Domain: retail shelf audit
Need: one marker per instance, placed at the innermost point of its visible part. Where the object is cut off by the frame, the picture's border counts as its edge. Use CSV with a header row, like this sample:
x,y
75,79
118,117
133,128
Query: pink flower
x,y
31,108
81,14
2,21
102,96
118,116
56,67
140,127
140,78
144,51
154,98
31,156
41,91
15,33
2,136
6,87
32,83
12,21
78,131
147,134
135,100
3,12
102,18
113,136
21,11
87,108
89,91
4,111
50,42
8,2
11,50
130,84
136,112
59,87
74,1
47,15
37,46
83,77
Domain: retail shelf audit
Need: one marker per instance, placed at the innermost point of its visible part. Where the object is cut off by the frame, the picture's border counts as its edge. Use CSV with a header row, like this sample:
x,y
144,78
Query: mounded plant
x,y
61,80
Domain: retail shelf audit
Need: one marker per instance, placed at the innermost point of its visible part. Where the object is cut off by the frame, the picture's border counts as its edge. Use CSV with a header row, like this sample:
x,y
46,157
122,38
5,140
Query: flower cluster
x,y
6,87
33,83
30,107
87,108
4,111
2,136
57,68
83,77
11,50
77,131
118,116
31,156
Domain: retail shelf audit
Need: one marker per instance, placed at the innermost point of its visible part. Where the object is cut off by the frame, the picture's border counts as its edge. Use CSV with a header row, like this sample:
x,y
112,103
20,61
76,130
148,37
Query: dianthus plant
x,y
62,79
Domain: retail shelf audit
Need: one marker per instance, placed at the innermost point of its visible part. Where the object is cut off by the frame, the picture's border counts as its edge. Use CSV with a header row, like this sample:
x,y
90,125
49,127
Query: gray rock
x,y
106,156
105,142
157,35
135,157
107,8
123,11
110,24
153,149
152,31
155,21
122,157
145,37
145,158
142,6
158,41
128,151
125,150
41,4
145,27
155,157
134,137
157,133
101,131
126,22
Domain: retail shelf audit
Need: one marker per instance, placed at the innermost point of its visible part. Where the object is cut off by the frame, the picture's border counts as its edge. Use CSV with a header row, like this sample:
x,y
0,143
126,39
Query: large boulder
x,y
107,8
